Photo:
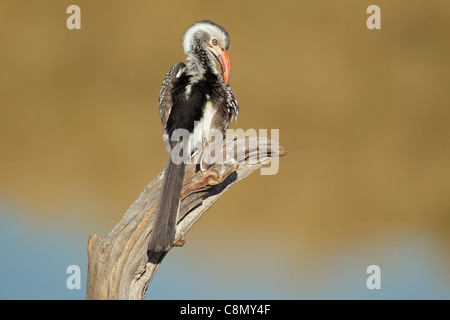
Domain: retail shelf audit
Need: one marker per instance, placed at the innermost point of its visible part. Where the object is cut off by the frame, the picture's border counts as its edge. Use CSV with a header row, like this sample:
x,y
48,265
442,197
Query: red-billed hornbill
x,y
195,97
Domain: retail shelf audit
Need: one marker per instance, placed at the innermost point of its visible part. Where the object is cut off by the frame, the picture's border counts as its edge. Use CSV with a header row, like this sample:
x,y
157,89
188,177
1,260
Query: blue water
x,y
34,258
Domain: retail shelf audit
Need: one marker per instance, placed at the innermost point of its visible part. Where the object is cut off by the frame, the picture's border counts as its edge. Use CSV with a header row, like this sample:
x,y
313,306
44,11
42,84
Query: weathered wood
x,y
120,266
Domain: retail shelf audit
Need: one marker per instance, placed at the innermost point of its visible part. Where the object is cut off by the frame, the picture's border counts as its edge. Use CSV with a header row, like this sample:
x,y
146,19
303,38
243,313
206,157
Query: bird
x,y
195,99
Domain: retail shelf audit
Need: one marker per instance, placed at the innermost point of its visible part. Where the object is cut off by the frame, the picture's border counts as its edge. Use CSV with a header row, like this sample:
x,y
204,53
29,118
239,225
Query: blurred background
x,y
364,115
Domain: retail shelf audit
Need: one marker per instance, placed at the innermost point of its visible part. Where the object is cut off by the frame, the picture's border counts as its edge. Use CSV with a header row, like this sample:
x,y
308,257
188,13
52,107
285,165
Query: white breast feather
x,y
202,127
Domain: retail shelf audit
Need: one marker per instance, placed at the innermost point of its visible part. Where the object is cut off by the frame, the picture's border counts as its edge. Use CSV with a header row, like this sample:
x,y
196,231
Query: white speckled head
x,y
199,35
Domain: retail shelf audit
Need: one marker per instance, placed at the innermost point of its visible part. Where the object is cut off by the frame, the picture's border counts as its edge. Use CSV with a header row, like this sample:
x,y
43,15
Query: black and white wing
x,y
232,104
165,95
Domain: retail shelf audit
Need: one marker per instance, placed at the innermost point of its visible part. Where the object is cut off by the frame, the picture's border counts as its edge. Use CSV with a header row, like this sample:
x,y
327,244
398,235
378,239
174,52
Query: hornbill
x,y
195,97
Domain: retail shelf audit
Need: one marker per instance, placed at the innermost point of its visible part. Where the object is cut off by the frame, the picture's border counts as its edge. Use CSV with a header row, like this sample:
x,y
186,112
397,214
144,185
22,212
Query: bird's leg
x,y
212,161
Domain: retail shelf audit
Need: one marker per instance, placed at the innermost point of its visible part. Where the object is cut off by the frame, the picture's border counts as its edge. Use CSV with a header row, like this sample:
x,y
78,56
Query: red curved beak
x,y
224,61
225,65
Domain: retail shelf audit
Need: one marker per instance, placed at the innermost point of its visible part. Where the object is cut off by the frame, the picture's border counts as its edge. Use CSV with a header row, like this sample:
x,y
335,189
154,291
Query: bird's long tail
x,y
165,220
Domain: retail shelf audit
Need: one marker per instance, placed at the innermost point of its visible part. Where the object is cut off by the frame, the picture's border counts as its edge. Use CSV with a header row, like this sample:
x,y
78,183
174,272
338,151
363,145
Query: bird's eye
x,y
215,42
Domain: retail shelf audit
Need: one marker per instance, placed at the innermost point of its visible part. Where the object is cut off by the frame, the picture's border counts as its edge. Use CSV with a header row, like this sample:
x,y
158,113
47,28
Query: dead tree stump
x,y
119,266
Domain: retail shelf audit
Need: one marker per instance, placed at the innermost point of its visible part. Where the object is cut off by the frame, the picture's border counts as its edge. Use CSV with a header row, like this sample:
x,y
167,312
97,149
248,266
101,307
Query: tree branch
x,y
120,267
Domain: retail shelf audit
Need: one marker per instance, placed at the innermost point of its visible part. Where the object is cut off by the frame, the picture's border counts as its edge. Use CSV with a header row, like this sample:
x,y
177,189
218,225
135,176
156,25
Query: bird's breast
x,y
202,127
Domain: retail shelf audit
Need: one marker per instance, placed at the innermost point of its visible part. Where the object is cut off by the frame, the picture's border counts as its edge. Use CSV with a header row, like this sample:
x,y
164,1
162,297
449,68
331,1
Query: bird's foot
x,y
217,173
214,175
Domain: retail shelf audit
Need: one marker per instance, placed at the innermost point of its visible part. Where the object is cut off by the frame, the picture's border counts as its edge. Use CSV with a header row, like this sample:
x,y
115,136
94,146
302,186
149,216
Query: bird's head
x,y
208,37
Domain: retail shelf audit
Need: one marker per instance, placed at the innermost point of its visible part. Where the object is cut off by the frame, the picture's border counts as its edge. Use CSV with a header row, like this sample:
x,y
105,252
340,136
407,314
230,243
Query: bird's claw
x,y
219,172
212,176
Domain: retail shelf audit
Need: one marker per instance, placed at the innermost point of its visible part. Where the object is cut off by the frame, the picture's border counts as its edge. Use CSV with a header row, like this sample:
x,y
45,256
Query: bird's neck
x,y
198,63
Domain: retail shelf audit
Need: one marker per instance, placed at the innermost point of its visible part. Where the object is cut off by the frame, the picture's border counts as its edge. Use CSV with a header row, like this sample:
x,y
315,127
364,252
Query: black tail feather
x,y
165,220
